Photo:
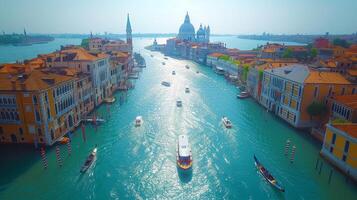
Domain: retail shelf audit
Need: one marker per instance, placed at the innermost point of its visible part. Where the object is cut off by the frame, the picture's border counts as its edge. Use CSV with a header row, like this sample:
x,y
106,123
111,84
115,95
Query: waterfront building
x,y
83,91
288,91
36,106
271,50
95,64
121,65
255,73
212,59
340,147
321,43
344,107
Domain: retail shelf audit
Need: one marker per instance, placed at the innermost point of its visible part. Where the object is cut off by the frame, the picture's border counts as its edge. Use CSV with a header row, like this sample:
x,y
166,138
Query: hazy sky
x,y
165,16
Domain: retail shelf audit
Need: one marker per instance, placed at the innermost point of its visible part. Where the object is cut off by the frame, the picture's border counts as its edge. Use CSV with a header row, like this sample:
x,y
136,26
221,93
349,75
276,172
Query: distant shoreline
x,y
24,40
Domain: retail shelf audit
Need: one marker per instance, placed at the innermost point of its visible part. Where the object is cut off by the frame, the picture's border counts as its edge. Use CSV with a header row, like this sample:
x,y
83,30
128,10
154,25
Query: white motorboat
x,y
226,122
219,70
165,83
187,90
109,100
94,120
179,103
183,153
138,121
243,95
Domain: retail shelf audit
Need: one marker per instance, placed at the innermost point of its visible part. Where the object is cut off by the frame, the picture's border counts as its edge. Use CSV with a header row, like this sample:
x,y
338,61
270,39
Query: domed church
x,y
187,32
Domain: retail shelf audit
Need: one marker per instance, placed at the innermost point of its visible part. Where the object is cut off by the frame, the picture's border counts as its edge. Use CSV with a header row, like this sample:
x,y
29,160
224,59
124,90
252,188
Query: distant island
x,y
300,38
23,39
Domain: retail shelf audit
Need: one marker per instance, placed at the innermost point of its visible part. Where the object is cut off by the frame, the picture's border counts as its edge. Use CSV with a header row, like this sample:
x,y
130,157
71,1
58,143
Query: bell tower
x,y
129,38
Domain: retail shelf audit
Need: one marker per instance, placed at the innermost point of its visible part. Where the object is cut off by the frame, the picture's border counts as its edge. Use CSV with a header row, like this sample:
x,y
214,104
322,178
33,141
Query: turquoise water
x,y
139,163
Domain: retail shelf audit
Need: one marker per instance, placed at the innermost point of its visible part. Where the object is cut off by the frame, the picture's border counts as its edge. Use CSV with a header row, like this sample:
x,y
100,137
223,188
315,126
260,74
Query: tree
x,y
245,71
261,73
341,42
85,43
316,109
313,52
288,53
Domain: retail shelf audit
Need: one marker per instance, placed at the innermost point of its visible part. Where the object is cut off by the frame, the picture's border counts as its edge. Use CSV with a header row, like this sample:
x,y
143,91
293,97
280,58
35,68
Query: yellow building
x,y
288,91
340,147
36,106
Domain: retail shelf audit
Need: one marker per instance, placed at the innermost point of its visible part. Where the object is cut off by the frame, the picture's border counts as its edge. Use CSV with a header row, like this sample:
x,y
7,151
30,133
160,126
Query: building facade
x,y
288,91
340,147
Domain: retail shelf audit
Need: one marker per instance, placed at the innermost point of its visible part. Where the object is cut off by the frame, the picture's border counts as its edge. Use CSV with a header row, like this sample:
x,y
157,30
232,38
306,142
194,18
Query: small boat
x,y
187,67
109,100
91,120
183,153
165,83
226,122
179,103
138,121
173,73
89,160
243,95
266,174
163,63
219,70
187,90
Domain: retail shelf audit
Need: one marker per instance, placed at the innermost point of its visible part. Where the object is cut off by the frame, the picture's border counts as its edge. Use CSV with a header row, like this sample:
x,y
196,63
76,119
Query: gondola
x,y
89,160
266,174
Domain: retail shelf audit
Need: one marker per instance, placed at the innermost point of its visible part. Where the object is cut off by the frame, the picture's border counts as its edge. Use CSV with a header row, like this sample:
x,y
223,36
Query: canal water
x,y
140,163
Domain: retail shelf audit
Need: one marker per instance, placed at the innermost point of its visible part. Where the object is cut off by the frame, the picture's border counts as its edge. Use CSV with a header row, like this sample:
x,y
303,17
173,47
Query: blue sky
x,y
165,16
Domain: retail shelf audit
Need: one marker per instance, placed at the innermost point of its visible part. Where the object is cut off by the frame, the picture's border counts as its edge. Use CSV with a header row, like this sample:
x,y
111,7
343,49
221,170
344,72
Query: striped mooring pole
x,y
292,154
69,148
58,156
44,158
287,147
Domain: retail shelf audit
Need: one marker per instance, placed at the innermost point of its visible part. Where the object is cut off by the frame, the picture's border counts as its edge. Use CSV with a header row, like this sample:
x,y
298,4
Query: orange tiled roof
x,y
82,54
349,128
12,68
326,77
32,81
352,72
216,55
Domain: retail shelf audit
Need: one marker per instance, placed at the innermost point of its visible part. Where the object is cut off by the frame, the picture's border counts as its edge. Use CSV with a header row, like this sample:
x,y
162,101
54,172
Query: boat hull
x,y
271,180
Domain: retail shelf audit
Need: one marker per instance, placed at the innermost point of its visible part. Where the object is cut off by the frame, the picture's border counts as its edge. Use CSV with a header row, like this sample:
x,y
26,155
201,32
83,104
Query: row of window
x,y
7,100
9,116
290,116
292,103
64,104
341,110
63,89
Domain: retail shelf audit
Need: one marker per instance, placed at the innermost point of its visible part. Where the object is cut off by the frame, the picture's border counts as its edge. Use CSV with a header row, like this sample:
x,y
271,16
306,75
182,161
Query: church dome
x,y
201,31
187,31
